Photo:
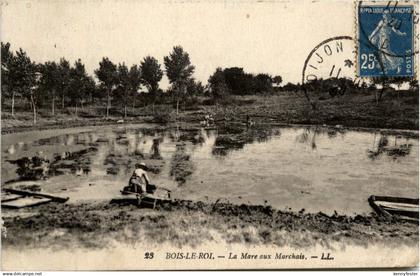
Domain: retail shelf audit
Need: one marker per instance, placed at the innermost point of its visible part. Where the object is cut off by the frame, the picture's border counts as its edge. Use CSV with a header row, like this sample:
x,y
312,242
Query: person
x,y
139,181
380,38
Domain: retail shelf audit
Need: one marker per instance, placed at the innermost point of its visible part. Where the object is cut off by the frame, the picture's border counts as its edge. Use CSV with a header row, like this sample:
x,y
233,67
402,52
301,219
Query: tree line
x,y
58,85
61,84
236,81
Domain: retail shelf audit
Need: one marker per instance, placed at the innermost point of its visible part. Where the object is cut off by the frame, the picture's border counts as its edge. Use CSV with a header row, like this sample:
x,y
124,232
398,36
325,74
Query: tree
x,y
6,55
134,77
194,88
384,82
7,59
123,88
179,70
151,73
263,83
23,77
80,84
64,72
107,75
291,87
414,84
239,82
399,81
89,89
277,80
50,81
217,85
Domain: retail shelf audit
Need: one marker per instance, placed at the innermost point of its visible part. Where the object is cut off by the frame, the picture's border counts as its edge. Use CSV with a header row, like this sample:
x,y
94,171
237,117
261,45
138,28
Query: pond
x,y
312,168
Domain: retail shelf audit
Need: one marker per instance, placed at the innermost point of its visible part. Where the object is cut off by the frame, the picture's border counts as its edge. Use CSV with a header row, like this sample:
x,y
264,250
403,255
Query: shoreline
x,y
411,133
356,110
188,223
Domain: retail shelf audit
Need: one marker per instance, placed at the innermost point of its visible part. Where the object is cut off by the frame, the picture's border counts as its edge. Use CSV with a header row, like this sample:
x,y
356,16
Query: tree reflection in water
x,y
383,146
155,150
181,164
308,137
232,137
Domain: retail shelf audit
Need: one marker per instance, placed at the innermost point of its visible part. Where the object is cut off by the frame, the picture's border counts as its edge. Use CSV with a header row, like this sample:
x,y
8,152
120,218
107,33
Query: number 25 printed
x,y
368,61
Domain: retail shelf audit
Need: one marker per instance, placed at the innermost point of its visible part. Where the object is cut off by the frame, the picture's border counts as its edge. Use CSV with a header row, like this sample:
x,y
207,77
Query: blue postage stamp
x,y
385,41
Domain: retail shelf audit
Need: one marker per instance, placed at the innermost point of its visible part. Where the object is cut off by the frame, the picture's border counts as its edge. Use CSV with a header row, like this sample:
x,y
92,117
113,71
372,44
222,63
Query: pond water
x,y
311,168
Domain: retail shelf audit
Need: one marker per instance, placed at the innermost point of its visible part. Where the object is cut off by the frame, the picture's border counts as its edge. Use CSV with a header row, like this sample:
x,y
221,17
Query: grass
x,y
193,223
358,110
352,110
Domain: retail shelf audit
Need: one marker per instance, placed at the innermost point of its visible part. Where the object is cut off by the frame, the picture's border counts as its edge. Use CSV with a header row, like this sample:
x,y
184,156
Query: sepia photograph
x,y
209,135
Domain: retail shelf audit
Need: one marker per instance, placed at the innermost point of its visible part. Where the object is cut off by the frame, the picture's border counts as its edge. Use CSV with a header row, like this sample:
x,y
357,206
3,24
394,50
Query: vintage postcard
x,y
209,135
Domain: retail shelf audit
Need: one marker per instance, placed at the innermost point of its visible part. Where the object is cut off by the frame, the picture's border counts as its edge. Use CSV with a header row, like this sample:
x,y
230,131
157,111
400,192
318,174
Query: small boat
x,y
395,206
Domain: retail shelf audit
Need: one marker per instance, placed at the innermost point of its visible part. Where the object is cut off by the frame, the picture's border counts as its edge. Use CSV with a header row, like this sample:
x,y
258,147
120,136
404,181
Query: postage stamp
x,y
385,40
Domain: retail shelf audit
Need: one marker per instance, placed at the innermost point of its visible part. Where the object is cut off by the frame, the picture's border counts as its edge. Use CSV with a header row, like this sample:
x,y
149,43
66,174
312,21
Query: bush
x,y
191,103
163,114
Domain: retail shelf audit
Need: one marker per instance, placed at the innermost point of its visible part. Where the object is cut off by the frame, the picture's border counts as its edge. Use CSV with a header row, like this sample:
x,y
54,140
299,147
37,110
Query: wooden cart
x,y
148,199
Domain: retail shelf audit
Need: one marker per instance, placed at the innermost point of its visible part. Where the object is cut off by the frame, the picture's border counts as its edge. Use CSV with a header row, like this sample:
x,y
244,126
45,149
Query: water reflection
x,y
155,151
77,162
35,168
187,158
383,146
181,164
233,137
308,136
84,138
11,149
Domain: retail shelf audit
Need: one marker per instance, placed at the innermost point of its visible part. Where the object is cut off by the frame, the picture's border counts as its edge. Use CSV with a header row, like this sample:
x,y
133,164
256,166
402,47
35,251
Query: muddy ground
x,y
186,223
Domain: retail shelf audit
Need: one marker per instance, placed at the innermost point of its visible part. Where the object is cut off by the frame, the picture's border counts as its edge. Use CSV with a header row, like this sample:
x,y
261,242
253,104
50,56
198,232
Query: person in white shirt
x,y
139,181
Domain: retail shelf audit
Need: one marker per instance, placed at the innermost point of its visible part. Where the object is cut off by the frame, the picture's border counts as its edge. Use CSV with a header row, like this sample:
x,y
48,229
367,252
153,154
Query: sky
x,y
273,37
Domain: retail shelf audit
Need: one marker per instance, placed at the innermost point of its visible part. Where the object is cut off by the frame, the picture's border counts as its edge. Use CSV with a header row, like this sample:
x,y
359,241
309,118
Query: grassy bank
x,y
359,110
395,111
186,223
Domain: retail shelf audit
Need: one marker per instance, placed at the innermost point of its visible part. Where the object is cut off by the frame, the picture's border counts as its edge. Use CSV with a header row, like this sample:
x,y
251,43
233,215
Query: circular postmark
x,y
383,49
323,57
329,69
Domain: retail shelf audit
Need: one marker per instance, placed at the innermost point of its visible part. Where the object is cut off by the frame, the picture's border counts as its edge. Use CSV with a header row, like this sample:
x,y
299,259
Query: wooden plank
x,y
147,195
29,193
25,202
9,197
144,198
125,200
